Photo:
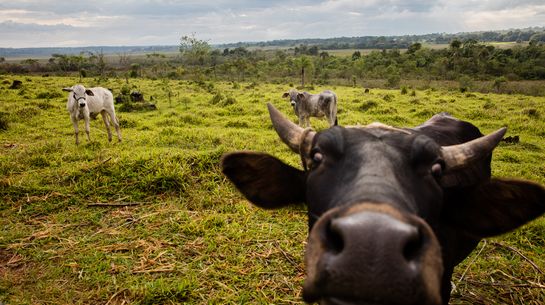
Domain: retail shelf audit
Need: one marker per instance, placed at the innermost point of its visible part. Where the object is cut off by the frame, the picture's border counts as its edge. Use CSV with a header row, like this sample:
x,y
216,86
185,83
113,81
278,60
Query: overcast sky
x,y
54,23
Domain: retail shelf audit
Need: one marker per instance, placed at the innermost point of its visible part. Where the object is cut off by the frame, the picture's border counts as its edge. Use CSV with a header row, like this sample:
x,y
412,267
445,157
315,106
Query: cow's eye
x,y
437,169
317,157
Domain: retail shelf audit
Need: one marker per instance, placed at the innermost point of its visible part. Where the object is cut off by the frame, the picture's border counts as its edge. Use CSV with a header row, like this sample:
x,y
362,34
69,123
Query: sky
x,y
75,23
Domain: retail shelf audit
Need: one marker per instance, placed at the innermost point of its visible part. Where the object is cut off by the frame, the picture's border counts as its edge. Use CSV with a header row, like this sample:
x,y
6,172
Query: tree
x,y
498,82
356,55
99,63
303,63
414,47
455,44
193,49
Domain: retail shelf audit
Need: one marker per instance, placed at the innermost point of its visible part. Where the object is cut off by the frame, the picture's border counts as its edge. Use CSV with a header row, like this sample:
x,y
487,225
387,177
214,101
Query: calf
x,y
306,105
88,103
391,211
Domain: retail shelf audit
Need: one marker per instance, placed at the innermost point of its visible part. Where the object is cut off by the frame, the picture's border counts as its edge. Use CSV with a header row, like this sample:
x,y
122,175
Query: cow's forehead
x,y
358,137
373,130
79,89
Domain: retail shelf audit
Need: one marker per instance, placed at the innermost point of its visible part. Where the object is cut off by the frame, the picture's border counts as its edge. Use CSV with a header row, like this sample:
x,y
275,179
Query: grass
x,y
151,220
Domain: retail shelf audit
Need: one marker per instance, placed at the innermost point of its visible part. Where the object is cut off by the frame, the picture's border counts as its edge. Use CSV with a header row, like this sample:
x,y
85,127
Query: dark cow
x,y
391,211
306,105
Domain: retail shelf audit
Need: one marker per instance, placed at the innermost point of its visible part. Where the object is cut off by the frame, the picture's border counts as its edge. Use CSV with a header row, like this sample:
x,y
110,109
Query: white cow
x,y
318,105
88,103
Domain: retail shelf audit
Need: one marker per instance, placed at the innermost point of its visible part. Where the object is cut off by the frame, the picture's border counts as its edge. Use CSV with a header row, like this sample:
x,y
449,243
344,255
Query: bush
x,y
17,84
139,106
532,112
393,80
185,101
126,123
125,90
498,82
217,98
49,95
229,101
3,121
465,83
404,90
237,124
368,105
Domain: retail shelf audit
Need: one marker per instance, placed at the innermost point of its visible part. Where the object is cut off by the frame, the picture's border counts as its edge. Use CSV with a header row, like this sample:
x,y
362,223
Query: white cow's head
x,y
79,94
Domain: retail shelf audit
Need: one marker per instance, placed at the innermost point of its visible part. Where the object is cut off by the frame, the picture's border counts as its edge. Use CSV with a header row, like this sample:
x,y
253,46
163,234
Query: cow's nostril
x,y
334,241
413,246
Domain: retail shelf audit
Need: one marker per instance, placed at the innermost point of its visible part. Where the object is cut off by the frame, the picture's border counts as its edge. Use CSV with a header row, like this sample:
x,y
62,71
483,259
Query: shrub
x,y
229,101
465,83
404,90
49,95
4,121
126,123
139,106
217,98
368,105
252,85
16,84
498,82
532,112
125,90
388,97
393,80
185,101
488,105
237,124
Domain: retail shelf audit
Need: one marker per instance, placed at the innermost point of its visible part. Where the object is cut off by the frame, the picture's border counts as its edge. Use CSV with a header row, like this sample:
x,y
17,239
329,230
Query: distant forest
x,y
465,59
402,42
363,42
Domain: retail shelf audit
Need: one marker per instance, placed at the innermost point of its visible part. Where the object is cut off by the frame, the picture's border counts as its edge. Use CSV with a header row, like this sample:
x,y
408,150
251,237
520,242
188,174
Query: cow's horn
x,y
457,156
289,132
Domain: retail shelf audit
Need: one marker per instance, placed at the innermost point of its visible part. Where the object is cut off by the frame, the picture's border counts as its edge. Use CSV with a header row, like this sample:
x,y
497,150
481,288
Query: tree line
x,y
198,60
402,41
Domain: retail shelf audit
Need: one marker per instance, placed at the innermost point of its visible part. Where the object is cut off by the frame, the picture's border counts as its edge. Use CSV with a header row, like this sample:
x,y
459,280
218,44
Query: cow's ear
x,y
68,89
300,95
264,180
497,207
89,92
286,94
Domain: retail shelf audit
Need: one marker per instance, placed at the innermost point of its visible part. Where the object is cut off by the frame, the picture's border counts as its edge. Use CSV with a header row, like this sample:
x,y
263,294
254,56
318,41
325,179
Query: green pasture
x,y
152,220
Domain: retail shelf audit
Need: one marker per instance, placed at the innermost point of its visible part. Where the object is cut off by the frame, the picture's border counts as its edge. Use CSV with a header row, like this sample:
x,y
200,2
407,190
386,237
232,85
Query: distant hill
x,y
401,42
361,42
47,52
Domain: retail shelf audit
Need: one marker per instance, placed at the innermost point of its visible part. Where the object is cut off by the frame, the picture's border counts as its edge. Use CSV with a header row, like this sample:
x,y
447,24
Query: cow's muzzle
x,y
81,105
372,254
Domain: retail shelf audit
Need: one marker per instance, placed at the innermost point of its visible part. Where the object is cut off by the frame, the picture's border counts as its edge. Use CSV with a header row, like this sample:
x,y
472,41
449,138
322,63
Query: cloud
x,y
132,22
11,26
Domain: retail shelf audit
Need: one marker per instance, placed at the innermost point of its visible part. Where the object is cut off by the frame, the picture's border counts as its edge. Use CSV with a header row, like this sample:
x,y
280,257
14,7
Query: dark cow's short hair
x,y
391,211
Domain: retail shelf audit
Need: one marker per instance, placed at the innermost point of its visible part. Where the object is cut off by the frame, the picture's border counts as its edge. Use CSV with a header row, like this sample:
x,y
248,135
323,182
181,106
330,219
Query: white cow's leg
x,y
76,130
87,127
301,121
116,125
107,124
